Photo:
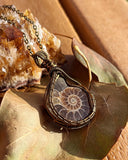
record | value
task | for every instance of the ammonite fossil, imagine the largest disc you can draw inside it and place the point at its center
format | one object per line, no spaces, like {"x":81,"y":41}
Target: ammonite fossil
{"x":68,"y":102}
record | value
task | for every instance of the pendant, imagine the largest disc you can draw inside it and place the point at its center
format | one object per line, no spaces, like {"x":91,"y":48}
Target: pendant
{"x":69,"y":103}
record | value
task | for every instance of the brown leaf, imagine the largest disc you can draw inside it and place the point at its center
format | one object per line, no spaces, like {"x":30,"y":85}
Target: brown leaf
{"x":21,"y":117}
{"x":27,"y":132}
{"x":94,"y":141}
{"x":101,"y":67}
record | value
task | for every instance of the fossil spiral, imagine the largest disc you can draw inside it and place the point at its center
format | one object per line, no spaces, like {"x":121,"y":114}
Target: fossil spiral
{"x":70,"y":105}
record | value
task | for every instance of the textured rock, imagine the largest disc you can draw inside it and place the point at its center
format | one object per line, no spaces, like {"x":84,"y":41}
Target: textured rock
{"x":17,"y":68}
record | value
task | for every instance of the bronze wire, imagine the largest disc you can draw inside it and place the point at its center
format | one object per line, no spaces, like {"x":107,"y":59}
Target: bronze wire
{"x":68,"y":123}
{"x":42,"y":61}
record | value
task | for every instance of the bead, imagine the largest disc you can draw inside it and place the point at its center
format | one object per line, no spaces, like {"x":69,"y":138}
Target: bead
{"x":31,"y":53}
{"x":40,"y":45}
{"x":9,"y":21}
{"x":36,"y":33}
{"x":10,"y":7}
{"x":38,"y":39}
{"x":28,"y":47}
{"x":4,"y":6}
{"x":32,"y":22}
{"x":1,"y":17}
{"x":25,"y":17}
{"x":26,"y":41}
{"x":13,"y":9}
{"x":5,"y":18}
{"x":29,"y":20}
{"x":24,"y":35}
{"x":21,"y":14}
{"x":18,"y":11}
{"x":34,"y":27}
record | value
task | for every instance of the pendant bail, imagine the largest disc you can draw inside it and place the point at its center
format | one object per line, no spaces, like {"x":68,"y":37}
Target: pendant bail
{"x":42,"y":60}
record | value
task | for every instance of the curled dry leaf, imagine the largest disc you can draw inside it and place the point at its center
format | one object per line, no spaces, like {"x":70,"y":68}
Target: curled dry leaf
{"x":101,"y":67}
{"x":27,"y":132}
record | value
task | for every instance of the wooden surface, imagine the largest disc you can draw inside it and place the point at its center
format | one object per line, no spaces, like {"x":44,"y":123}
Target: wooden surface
{"x":101,"y":24}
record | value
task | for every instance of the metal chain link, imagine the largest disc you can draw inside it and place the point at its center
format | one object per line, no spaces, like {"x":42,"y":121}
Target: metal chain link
{"x":13,"y":9}
{"x":38,"y":56}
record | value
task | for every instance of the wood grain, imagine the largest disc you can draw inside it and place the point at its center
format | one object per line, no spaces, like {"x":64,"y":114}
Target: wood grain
{"x":103,"y":26}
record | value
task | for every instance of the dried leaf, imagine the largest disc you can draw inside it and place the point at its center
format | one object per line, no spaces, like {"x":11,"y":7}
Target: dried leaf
{"x":22,"y":118}
{"x":101,"y":67}
{"x":94,"y":141}
{"x":27,"y":132}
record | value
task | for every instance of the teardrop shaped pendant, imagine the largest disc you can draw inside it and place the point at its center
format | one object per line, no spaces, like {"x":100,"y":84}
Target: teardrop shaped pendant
{"x":70,"y":104}
{"x":67,"y":102}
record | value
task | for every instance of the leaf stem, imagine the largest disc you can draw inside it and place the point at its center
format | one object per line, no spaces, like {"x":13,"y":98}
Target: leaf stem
{"x":86,"y":61}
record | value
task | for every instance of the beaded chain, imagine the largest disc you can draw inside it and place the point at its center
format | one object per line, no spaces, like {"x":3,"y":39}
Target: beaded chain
{"x":38,"y":56}
{"x":13,"y":9}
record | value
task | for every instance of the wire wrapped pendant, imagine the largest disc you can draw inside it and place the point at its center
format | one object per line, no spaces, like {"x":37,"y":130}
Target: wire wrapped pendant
{"x":70,"y":104}
{"x":66,"y":100}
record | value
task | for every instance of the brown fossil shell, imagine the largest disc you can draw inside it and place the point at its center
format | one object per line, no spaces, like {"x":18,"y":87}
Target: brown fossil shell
{"x":68,"y":102}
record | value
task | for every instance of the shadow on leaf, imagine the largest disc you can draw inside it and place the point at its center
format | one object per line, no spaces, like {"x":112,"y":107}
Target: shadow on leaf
{"x":26,"y":120}
{"x":95,"y":140}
